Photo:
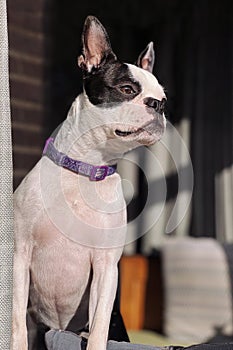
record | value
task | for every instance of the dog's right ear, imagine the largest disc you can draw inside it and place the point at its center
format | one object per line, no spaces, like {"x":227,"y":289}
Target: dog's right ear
{"x":147,"y":58}
{"x":96,"y":45}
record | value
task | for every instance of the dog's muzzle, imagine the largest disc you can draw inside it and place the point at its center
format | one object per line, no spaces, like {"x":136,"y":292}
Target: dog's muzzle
{"x":156,"y":126}
{"x":157,"y":105}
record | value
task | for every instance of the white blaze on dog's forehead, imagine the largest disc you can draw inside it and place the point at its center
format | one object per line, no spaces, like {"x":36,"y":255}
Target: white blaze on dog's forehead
{"x":149,"y":84}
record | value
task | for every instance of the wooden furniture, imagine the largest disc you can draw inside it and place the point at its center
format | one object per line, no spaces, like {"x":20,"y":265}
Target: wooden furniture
{"x":133,"y":278}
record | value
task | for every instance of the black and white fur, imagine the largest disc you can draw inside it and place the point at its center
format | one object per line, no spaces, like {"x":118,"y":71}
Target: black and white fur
{"x":61,"y":260}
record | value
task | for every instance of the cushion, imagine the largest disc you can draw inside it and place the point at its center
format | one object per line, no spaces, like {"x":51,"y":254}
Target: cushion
{"x":197,"y":289}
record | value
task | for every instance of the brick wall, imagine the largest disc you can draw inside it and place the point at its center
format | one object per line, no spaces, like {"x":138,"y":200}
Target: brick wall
{"x":27,"y":44}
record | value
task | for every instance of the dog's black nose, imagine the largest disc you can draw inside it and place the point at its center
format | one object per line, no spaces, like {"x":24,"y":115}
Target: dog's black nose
{"x":157,"y":105}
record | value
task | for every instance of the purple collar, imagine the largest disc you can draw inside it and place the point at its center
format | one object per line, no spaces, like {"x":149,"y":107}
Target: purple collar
{"x":95,"y":173}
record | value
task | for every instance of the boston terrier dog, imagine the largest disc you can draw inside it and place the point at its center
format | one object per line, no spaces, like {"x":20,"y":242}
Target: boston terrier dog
{"x":70,"y":215}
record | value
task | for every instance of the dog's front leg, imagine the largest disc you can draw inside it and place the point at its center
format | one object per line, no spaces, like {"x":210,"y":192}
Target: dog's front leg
{"x":103,"y":291}
{"x":20,"y":300}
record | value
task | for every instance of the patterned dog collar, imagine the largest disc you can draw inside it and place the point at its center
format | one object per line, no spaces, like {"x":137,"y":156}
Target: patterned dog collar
{"x":95,"y":173}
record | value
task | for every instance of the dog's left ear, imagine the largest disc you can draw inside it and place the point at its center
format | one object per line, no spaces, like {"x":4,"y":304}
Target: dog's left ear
{"x":96,"y":45}
{"x":146,"y":58}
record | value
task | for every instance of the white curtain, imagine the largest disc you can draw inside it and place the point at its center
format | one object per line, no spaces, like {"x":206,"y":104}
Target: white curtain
{"x":224,"y":205}
{"x":165,"y":211}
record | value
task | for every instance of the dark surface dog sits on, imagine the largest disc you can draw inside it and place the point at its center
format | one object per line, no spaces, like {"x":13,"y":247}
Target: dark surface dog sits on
{"x":57,"y":340}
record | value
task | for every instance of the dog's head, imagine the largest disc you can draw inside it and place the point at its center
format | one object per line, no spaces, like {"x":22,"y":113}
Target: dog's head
{"x":131,"y":95}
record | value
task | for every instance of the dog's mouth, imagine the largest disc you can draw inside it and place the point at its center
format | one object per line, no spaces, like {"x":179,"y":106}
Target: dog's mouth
{"x":153,"y":128}
{"x":123,"y":133}
{"x":131,"y":132}
{"x":149,"y":132}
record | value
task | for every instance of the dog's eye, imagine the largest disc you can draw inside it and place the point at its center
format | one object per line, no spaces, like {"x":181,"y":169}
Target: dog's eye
{"x":127,"y":90}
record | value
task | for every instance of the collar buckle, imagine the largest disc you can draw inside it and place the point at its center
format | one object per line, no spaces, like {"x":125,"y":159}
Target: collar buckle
{"x":99,"y":173}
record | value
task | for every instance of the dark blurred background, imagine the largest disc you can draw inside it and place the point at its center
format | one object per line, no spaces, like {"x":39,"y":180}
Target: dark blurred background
{"x":194,"y":49}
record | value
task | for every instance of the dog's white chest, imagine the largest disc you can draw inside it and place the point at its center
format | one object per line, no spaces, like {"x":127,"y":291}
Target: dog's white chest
{"x":90,"y":213}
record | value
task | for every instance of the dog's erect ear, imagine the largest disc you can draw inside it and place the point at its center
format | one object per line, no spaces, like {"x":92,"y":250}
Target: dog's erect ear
{"x":147,"y":58}
{"x":96,"y":45}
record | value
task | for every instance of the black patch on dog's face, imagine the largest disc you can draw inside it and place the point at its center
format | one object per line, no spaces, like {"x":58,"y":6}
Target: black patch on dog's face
{"x":110,"y":84}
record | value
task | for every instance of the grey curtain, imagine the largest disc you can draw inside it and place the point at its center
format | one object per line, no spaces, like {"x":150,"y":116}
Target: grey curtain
{"x":6,"y":201}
